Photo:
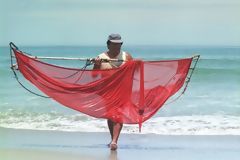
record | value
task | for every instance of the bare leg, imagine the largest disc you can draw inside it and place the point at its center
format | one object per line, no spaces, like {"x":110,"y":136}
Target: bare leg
{"x":110,"y":127}
{"x":115,"y":129}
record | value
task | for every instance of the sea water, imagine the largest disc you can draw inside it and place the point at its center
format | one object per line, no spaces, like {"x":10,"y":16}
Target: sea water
{"x":211,"y":104}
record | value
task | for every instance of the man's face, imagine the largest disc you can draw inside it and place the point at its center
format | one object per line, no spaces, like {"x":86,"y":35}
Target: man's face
{"x":114,"y":47}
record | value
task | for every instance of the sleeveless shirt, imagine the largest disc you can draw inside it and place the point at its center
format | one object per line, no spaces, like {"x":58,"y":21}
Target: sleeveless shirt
{"x":121,"y":56}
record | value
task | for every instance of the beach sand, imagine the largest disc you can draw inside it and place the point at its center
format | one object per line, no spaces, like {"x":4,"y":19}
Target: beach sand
{"x":18,"y":144}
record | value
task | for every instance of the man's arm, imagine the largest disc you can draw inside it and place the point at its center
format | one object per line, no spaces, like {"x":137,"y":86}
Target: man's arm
{"x":128,"y":56}
{"x":96,"y":66}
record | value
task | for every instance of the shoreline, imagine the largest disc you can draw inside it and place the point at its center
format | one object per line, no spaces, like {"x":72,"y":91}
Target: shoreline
{"x":36,"y":144}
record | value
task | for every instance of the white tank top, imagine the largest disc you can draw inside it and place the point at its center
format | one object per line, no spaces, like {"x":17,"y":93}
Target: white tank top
{"x":121,"y":56}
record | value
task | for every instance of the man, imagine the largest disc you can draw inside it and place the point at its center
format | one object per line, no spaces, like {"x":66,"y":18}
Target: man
{"x":114,"y":44}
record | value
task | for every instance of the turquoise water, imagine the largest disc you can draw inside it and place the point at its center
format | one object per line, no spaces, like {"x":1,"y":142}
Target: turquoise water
{"x":210,"y":105}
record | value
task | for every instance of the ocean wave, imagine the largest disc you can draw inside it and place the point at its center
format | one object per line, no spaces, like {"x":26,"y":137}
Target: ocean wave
{"x":176,"y":125}
{"x":217,"y":71}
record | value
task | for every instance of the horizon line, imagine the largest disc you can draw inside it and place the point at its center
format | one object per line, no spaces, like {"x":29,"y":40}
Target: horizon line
{"x":130,"y":45}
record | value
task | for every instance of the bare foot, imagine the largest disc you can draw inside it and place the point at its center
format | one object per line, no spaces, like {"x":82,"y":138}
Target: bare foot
{"x":113,"y":146}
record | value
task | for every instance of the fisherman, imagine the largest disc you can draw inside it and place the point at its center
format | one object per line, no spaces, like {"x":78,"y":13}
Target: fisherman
{"x":114,"y":44}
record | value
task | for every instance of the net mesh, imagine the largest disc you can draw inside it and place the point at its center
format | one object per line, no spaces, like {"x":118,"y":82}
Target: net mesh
{"x":129,"y":94}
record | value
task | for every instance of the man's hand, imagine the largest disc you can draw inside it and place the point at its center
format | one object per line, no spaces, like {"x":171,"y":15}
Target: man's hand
{"x":97,"y":63}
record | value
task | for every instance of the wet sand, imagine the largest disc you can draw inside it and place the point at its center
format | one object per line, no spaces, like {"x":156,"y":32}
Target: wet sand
{"x":36,"y":144}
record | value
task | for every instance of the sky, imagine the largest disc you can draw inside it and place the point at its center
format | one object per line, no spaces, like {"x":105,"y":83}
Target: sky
{"x":140,"y":22}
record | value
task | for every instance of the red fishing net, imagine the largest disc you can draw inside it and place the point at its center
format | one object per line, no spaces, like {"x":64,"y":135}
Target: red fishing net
{"x":129,"y":94}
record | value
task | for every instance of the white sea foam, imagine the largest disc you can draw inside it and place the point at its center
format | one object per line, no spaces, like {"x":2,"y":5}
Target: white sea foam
{"x":177,"y":125}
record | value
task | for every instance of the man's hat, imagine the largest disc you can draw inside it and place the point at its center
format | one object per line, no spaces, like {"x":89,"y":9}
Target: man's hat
{"x":115,"y":38}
